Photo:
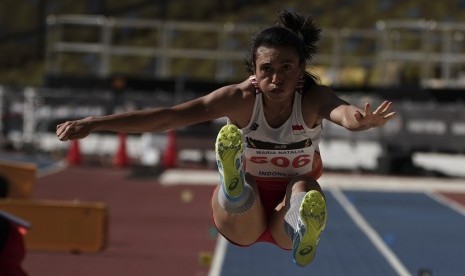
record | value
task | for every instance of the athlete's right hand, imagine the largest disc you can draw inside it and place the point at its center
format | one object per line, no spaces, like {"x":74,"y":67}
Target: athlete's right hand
{"x":72,"y":130}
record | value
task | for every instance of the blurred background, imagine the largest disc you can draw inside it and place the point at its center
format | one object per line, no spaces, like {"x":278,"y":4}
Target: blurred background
{"x":68,"y":59}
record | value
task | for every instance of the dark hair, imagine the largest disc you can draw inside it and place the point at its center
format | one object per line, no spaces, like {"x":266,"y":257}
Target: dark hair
{"x":293,"y":30}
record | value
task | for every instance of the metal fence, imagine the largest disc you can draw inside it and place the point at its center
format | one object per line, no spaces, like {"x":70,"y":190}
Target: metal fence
{"x":391,"y":53}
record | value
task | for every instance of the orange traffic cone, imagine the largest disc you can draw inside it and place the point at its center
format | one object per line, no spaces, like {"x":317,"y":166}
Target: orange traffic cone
{"x":121,"y":158}
{"x":170,"y":155}
{"x":74,"y":155}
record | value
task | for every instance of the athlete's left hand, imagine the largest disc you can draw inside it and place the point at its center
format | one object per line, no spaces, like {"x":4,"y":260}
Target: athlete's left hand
{"x":377,"y":118}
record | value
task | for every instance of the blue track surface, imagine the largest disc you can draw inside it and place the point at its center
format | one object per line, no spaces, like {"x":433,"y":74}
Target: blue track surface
{"x":421,"y":232}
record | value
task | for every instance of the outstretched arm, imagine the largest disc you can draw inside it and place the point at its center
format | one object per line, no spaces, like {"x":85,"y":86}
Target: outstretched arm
{"x":129,"y":122}
{"x":214,"y":105}
{"x":353,"y":118}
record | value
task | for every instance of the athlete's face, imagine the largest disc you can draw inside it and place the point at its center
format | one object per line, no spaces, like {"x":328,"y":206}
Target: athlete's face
{"x":277,"y":70}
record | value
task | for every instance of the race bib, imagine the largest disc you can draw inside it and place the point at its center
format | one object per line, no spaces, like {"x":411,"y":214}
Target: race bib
{"x":289,"y":163}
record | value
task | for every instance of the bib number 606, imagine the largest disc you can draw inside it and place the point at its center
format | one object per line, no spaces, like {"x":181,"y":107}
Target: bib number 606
{"x":283,"y":162}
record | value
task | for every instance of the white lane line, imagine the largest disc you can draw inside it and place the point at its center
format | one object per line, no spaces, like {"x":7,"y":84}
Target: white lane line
{"x":218,"y":257}
{"x":340,"y":181}
{"x":447,"y":202}
{"x":391,"y":183}
{"x":372,"y":235}
{"x":52,"y":169}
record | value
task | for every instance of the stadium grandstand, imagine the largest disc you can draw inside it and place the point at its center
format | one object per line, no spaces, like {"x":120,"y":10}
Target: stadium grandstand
{"x":137,"y":53}
{"x":23,"y":29}
{"x":140,"y":204}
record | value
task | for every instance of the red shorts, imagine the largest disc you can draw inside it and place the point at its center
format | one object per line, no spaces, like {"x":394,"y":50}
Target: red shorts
{"x":272,"y":193}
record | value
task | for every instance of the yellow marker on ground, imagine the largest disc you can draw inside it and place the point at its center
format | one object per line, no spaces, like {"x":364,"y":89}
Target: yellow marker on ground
{"x":205,"y":258}
{"x":187,"y":196}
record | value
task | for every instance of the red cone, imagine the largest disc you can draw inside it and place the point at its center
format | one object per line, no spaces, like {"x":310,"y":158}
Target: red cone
{"x":170,"y":155}
{"x":74,"y":155}
{"x":121,"y":158}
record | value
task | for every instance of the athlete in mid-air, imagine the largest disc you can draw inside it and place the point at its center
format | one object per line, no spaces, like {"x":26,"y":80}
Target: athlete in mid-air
{"x":267,"y":154}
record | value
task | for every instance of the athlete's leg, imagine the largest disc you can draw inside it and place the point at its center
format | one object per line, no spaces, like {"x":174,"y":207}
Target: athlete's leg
{"x":300,"y":219}
{"x":236,"y":205}
{"x":301,"y":184}
{"x":245,"y":228}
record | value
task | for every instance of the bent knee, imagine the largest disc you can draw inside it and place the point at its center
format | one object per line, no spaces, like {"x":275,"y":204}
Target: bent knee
{"x":303,"y":184}
{"x":240,"y":234}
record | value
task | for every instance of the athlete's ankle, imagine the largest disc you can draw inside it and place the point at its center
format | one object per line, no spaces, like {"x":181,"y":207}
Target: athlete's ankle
{"x":240,"y":205}
{"x":291,"y":219}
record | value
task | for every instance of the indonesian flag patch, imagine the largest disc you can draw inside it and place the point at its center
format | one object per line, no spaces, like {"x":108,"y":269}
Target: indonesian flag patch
{"x":297,"y":129}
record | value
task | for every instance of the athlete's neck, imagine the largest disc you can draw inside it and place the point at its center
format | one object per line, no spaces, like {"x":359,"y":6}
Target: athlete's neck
{"x":276,"y":114}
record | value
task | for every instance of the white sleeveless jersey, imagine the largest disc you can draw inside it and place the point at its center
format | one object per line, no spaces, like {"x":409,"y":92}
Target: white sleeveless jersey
{"x":279,"y":153}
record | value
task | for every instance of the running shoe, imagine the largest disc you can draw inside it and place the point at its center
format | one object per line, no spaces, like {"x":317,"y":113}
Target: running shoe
{"x":312,"y":222}
{"x":229,"y":150}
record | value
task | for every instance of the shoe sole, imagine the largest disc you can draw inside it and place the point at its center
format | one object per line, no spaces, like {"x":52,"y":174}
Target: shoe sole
{"x":228,"y":148}
{"x":313,"y":216}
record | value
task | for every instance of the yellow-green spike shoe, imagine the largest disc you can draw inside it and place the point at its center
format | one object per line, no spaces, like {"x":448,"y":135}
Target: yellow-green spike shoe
{"x":312,"y":222}
{"x":229,"y":150}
